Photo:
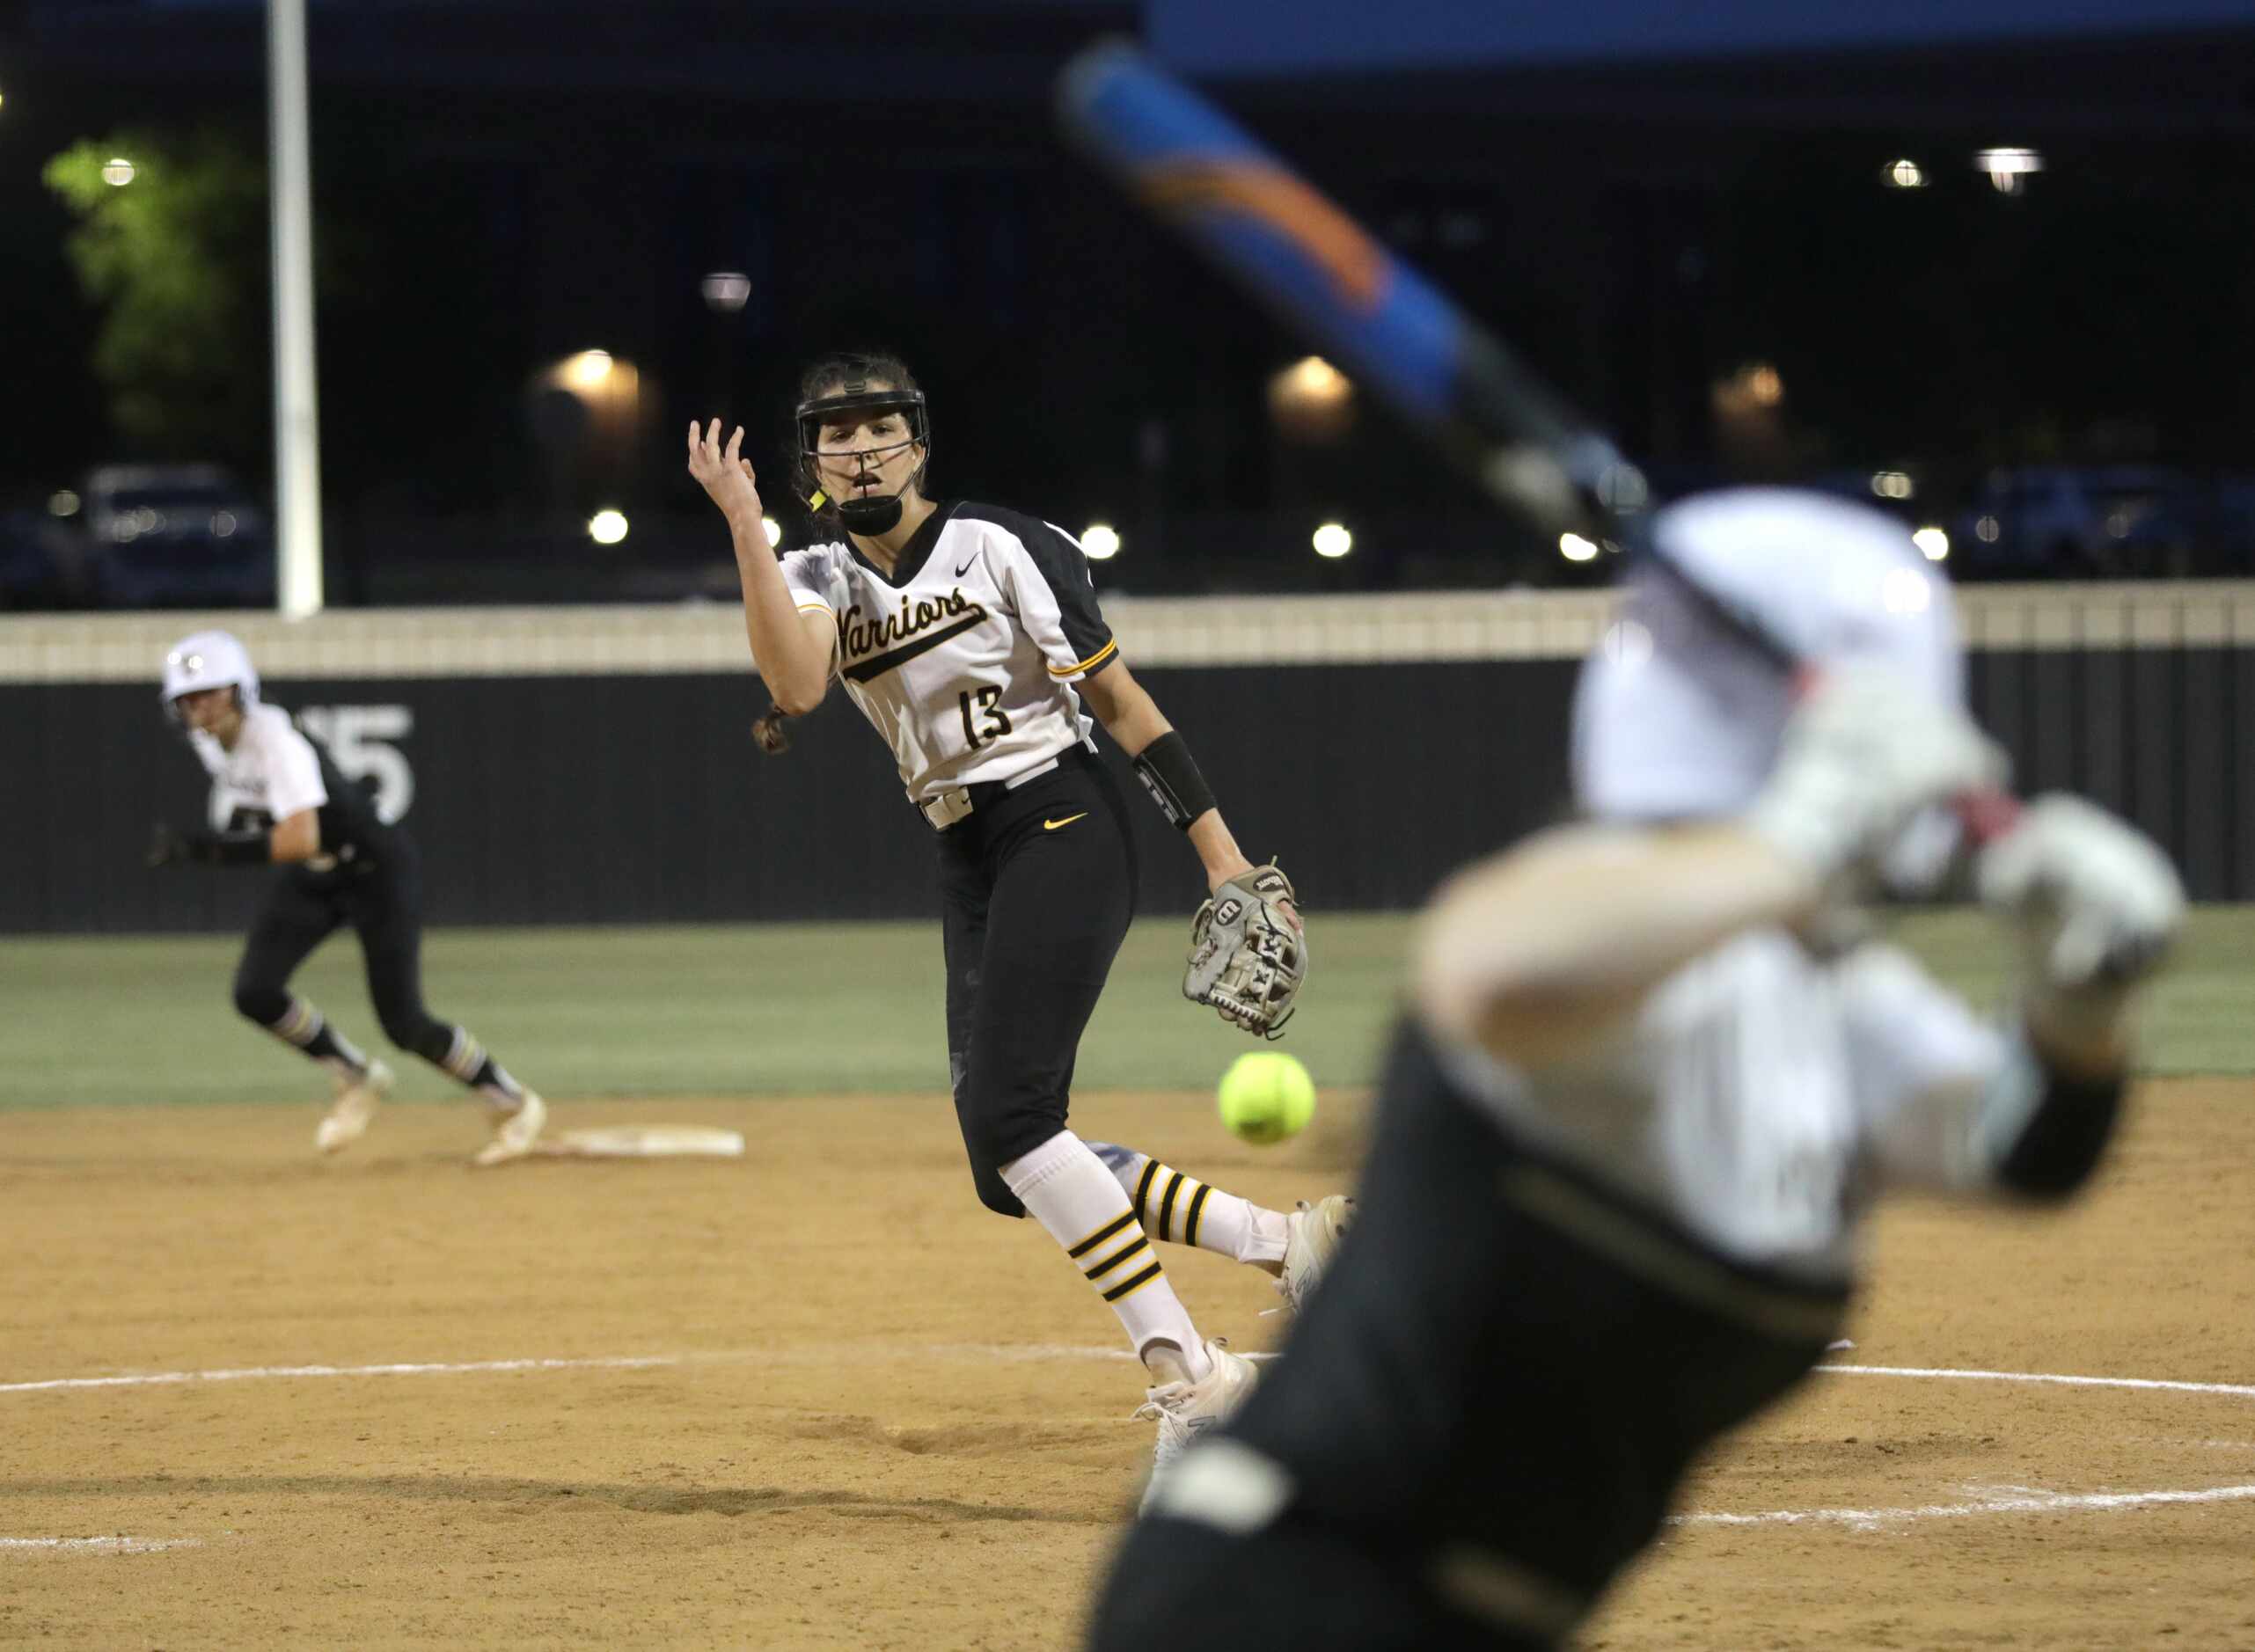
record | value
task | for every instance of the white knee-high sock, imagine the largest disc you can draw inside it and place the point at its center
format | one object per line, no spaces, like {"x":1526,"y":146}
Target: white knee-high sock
{"x":1067,"y":1189}
{"x":1183,"y":1210}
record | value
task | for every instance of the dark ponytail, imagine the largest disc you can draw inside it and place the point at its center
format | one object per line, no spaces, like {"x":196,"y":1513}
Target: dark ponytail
{"x":768,"y":733}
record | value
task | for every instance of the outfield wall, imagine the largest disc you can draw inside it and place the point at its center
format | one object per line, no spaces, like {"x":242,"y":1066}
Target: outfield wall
{"x":592,"y":765}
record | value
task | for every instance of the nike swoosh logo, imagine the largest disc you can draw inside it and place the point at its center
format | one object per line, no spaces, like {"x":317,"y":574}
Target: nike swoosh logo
{"x":1052,"y":825}
{"x":965,"y":568}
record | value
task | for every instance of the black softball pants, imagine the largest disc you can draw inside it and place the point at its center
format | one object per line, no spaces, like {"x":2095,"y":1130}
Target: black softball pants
{"x":1480,"y":1418}
{"x":382,"y":903}
{"x":1036,"y":888}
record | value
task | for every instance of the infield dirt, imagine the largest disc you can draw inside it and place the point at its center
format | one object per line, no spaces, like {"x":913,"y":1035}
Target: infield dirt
{"x":878,"y":1416}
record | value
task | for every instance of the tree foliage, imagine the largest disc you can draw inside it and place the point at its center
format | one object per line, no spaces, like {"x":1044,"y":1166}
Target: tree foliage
{"x":176,"y":262}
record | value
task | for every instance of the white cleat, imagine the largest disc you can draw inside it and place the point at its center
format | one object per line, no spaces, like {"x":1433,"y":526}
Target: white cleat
{"x":514,"y":1133}
{"x":1185,"y":1411}
{"x":1312,"y":1236}
{"x":358,"y":1099}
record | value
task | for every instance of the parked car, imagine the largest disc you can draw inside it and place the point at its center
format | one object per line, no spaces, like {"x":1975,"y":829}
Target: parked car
{"x":2060,"y":522}
{"x":165,"y":535}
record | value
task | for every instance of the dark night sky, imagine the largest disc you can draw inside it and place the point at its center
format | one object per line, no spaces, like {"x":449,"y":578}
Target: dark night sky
{"x":502,"y":185}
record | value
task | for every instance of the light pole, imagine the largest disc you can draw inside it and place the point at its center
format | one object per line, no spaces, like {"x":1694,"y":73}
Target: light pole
{"x":297,"y":406}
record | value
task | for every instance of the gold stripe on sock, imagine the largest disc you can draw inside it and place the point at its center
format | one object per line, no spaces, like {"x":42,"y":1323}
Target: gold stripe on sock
{"x":1151,"y":1168}
{"x":1190,"y":1219}
{"x":1130,"y":1287}
{"x":464,"y":1060}
{"x":1123,"y":1219}
{"x":1142,"y":1243}
{"x":1166,"y":1205}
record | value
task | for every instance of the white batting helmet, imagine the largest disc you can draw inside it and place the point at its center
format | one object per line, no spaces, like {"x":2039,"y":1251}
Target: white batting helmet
{"x":205,"y":660}
{"x":1680,"y":707}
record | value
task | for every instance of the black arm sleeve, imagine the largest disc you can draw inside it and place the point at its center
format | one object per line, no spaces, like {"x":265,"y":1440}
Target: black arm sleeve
{"x":254,"y":848}
{"x":2065,"y":1136}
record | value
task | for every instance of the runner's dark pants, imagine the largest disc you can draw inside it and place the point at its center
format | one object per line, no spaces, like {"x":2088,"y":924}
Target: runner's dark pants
{"x":383,"y":903}
{"x":1480,"y":1417}
{"x":1036,"y":887}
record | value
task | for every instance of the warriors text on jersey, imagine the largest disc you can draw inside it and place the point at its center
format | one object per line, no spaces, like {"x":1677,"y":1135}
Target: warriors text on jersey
{"x":275,"y":770}
{"x":965,"y":658}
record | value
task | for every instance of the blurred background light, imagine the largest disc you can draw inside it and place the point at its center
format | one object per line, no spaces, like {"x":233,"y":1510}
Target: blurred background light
{"x":588,"y":368}
{"x":1987,"y":529}
{"x":1753,"y":388}
{"x":773,"y":529}
{"x":1332,"y":540}
{"x":1892,"y":484}
{"x":607,"y":527}
{"x":726,"y":290}
{"x":62,"y":502}
{"x":1903,"y":175}
{"x":117,"y":171}
{"x":1100,"y":541}
{"x":2008,"y":169}
{"x":1574,"y":548}
{"x":1932,"y":542}
{"x":1311,"y":400}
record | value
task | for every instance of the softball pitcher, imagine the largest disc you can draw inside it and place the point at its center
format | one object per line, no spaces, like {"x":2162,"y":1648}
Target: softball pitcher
{"x":970,"y":636}
{"x":278,"y":799}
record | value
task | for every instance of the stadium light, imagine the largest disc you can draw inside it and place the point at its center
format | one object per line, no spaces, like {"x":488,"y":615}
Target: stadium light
{"x":1311,"y":400}
{"x":2008,"y":168}
{"x":1574,"y":548}
{"x":117,"y":171}
{"x":1932,"y":542}
{"x":1903,"y":175}
{"x":1332,"y":540}
{"x":726,"y":290}
{"x":1100,"y":542}
{"x":589,"y":369}
{"x":607,"y":527}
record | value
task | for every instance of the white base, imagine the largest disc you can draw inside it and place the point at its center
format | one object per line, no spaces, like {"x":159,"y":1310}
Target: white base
{"x":643,"y":1141}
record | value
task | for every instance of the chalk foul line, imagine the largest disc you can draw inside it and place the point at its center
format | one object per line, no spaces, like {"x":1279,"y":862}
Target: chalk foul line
{"x":2015,"y":1500}
{"x":95,"y":1546}
{"x":998,"y":1351}
{"x":2244,"y":1389}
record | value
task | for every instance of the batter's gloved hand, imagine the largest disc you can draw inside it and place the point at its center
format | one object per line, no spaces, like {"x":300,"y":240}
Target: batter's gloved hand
{"x":1863,"y":752}
{"x":1249,"y":952}
{"x":2096,"y":901}
{"x":166,"y":847}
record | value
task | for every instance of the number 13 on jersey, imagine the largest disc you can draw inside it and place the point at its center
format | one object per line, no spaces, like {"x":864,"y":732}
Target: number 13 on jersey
{"x":984,"y":721}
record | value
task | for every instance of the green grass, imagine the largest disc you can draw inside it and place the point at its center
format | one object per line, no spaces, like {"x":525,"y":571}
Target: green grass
{"x":790,"y":1009}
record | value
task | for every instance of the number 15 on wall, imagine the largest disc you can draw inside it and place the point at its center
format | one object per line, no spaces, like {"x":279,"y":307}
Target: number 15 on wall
{"x":359,"y":738}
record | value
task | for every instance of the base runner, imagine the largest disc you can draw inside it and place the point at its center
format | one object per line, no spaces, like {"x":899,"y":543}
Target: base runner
{"x":278,"y":800}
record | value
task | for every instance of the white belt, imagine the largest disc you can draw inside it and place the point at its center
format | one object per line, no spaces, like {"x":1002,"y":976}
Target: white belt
{"x":953,"y":804}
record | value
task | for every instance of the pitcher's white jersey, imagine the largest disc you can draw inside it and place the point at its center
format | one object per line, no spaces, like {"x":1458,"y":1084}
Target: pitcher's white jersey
{"x":1760,"y":1097}
{"x":965,"y":660}
{"x":272,"y":774}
